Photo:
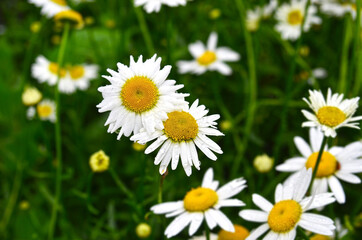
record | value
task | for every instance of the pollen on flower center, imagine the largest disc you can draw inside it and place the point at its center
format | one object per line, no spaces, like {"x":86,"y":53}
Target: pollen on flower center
{"x":284,"y":216}
{"x":331,"y":116}
{"x":53,"y":68}
{"x":327,"y":166}
{"x":139,"y":94}
{"x":60,"y":2}
{"x":76,"y":72}
{"x":200,"y":199}
{"x":207,"y":58}
{"x":44,"y":110}
{"x":180,"y":126}
{"x":295,"y":17}
{"x":239,"y":234}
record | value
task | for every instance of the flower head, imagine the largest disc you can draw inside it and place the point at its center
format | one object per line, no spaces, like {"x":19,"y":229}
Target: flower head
{"x":339,"y":8}
{"x":289,"y":211}
{"x":74,"y":17}
{"x":155,"y":5}
{"x":143,"y":230}
{"x":332,"y":113}
{"x":179,"y":135}
{"x":263,"y":163}
{"x":240,"y":233}
{"x":336,"y":163}
{"x":31,"y":96}
{"x":99,"y":161}
{"x":46,"y":71}
{"x":139,"y":97}
{"x":46,"y":110}
{"x":50,"y":8}
{"x":208,"y":57}
{"x":202,"y":203}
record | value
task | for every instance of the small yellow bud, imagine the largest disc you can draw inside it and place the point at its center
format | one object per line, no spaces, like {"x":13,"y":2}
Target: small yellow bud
{"x":215,"y":13}
{"x":320,"y":237}
{"x":304,"y":51}
{"x":225,"y":125}
{"x":24,"y":205}
{"x":110,"y":23}
{"x":35,"y":27}
{"x":31,"y":96}
{"x":99,"y":161}
{"x":263,"y":163}
{"x":89,"y":20}
{"x":138,"y":147}
{"x":143,"y":230}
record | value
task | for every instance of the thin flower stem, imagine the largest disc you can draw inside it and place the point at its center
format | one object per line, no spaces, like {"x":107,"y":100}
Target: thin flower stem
{"x":252,"y":86}
{"x":207,"y":231}
{"x":120,"y":184}
{"x":343,"y":74}
{"x":288,"y":88}
{"x":145,"y":32}
{"x":160,"y":188}
{"x":357,"y":53}
{"x":320,"y":153}
{"x":58,"y":136}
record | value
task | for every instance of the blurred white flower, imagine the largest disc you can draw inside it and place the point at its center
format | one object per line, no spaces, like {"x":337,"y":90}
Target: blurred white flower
{"x":155,"y":5}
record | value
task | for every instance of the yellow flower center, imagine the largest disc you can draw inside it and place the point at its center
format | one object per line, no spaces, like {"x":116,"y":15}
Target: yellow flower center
{"x":139,"y":94}
{"x":99,"y":161}
{"x":207,"y":58}
{"x":284,"y":216}
{"x":331,"y":116}
{"x":320,"y":237}
{"x":180,"y":126}
{"x":76,"y":72}
{"x":240,"y":234}
{"x":70,"y":15}
{"x":44,"y":110}
{"x":295,"y":17}
{"x":200,"y":199}
{"x":53,"y":68}
{"x":60,"y":2}
{"x":327,"y":166}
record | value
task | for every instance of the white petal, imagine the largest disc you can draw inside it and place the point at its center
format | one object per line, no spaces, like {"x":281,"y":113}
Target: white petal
{"x":254,"y":215}
{"x":337,"y":189}
{"x":231,"y":188}
{"x":262,"y":203}
{"x":222,"y":220}
{"x":167,"y":207}
{"x":302,"y":146}
{"x":255,"y":234}
{"x":197,"y":219}
{"x":178,"y":224}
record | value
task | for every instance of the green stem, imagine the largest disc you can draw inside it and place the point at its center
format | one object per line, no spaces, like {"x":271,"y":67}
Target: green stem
{"x":145,"y":32}
{"x":357,"y":53}
{"x":301,"y":231}
{"x":288,"y":88}
{"x":343,"y":75}
{"x":252,"y":86}
{"x":120,"y":184}
{"x":207,"y":231}
{"x":320,"y":153}
{"x":58,"y":136}
{"x":160,"y":188}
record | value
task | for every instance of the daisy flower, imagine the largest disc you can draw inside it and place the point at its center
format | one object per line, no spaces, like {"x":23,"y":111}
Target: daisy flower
{"x":180,"y":134}
{"x":338,"y":9}
{"x":240,"y":234}
{"x":78,"y":77}
{"x":336,"y":163}
{"x":253,"y":17}
{"x":208,"y":58}
{"x":155,"y":5}
{"x":331,"y":114}
{"x":46,"y":71}
{"x":50,"y":8}
{"x":139,"y":96}
{"x":202,"y":203}
{"x":46,"y":110}
{"x":289,"y":211}
{"x":290,"y":18}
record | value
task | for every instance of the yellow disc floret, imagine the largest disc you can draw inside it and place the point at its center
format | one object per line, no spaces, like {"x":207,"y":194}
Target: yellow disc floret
{"x":330,"y":116}
{"x":200,"y":199}
{"x":284,"y":216}
{"x":60,"y":2}
{"x":44,"y":110}
{"x":53,"y":68}
{"x":76,"y":72}
{"x":180,"y":126}
{"x":240,"y":233}
{"x":327,"y":165}
{"x":295,"y":17}
{"x":207,"y":58}
{"x":139,"y":94}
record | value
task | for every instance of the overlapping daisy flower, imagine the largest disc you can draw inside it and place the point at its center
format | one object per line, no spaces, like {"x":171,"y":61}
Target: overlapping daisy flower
{"x":202,"y":203}
{"x":240,"y":233}
{"x":180,"y":134}
{"x":290,"y":211}
{"x":339,"y":233}
{"x":71,"y":77}
{"x":208,"y":58}
{"x":50,"y":8}
{"x":45,"y":110}
{"x":290,"y":18}
{"x":155,"y":5}
{"x":338,"y":8}
{"x":331,"y":114}
{"x":336,"y":163}
{"x":253,"y":17}
{"x":139,"y":96}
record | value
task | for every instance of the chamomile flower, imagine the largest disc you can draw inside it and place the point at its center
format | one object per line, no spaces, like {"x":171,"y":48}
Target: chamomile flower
{"x":139,"y":96}
{"x":339,"y":9}
{"x":46,"y":71}
{"x":78,"y":77}
{"x":181,"y":133}
{"x":50,"y":8}
{"x":240,"y":233}
{"x":332,"y":113}
{"x":202,"y":203}
{"x":289,"y":211}
{"x":155,"y":5}
{"x":336,"y":163}
{"x":253,"y":17}
{"x":208,"y":57}
{"x":290,"y":18}
{"x":31,"y":96}
{"x":46,"y":110}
